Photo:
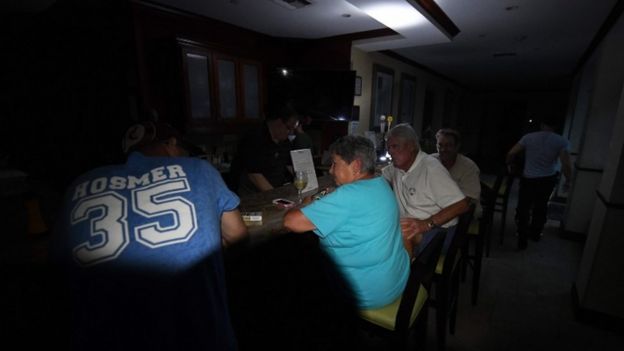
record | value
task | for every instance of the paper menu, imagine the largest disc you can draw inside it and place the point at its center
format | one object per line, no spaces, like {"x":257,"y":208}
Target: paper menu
{"x":302,"y":161}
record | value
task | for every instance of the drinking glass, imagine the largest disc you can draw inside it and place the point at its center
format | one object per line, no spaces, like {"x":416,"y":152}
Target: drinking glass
{"x":301,"y":180}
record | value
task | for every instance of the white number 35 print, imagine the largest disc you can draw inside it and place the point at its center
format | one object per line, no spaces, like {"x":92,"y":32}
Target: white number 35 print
{"x":109,"y":229}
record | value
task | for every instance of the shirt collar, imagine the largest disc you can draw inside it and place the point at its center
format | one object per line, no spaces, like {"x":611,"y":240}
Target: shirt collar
{"x":421,"y":154}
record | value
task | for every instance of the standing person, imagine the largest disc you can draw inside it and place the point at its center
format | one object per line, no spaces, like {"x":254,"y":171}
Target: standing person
{"x":300,"y":139}
{"x":462,"y":169}
{"x":263,"y":155}
{"x":358,"y":225}
{"x":142,"y":244}
{"x":542,"y":151}
{"x":427,"y":195}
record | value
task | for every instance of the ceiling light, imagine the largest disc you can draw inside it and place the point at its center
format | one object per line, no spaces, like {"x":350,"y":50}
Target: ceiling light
{"x":394,"y":14}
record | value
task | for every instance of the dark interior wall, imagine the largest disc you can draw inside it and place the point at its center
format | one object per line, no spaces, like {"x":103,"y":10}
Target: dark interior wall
{"x":80,"y":72}
{"x":68,"y":76}
{"x":494,"y":122}
{"x":159,"y":59}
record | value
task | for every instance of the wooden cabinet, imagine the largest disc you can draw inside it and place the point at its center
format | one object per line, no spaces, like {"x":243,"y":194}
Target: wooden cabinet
{"x":221,"y":90}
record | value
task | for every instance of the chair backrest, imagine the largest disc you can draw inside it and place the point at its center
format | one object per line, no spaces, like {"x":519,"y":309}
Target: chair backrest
{"x":458,"y":241}
{"x":503,"y":183}
{"x":421,"y":273}
{"x":487,"y":201}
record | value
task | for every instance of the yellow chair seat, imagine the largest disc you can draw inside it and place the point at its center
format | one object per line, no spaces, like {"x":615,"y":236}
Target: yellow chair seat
{"x":474,"y":227}
{"x":440,"y":266}
{"x":385,"y":316}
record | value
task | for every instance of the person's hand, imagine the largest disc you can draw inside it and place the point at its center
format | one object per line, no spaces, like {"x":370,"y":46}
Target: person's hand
{"x":306,"y":200}
{"x":566,"y":186}
{"x":412,"y":227}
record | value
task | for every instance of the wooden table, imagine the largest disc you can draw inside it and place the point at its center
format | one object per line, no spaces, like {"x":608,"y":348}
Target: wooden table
{"x":272,"y":216}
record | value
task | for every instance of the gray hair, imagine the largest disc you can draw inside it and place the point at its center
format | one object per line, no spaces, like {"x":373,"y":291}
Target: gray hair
{"x":405,"y":132}
{"x":351,"y":148}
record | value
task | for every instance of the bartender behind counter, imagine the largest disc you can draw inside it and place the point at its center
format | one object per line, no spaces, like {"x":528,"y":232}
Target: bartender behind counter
{"x":263,"y":155}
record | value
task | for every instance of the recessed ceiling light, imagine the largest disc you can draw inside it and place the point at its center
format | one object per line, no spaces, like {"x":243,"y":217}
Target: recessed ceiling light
{"x":394,"y":14}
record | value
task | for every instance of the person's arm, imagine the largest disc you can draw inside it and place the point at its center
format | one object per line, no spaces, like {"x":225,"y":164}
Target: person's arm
{"x":516,"y":149}
{"x":259,"y":181}
{"x":566,"y":169}
{"x":470,"y":184}
{"x":410,"y":227}
{"x":233,"y":228}
{"x":296,"y":221}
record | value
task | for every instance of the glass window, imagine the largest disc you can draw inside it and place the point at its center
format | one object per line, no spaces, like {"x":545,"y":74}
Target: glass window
{"x":383,"y":81}
{"x":227,"y":88}
{"x":199,"y":85}
{"x":408,"y":99}
{"x":251,"y":97}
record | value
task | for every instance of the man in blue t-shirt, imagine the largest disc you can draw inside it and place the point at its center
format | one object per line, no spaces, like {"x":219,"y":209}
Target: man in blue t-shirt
{"x":543,"y":149}
{"x":142,"y":242}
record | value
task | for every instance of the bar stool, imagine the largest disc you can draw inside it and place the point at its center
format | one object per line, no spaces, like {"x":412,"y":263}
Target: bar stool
{"x":478,"y":233}
{"x":446,"y":280}
{"x":395,"y":321}
{"x":502,"y":188}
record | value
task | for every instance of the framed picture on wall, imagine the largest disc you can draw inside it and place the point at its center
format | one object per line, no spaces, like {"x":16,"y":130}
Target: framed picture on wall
{"x":358,"y":86}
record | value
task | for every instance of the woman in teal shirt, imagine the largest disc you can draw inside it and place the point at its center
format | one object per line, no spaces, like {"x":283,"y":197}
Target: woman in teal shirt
{"x":358,"y":225}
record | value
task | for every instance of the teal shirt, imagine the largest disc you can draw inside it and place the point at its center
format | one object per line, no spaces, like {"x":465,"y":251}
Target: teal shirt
{"x":358,"y":226}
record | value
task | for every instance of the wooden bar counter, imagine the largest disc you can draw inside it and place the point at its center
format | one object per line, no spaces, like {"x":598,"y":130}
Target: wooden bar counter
{"x":272,"y":216}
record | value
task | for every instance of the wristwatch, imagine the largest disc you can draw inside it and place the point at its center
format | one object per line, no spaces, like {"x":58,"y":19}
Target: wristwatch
{"x":431,"y":224}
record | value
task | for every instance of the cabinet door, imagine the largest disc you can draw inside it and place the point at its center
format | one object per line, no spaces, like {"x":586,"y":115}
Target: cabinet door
{"x":251,"y":90}
{"x":226,"y":83}
{"x":198,"y":76}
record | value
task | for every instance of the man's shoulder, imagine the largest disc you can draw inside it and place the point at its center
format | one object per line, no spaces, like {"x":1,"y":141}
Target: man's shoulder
{"x":388,"y":170}
{"x":430,"y":161}
{"x":467,"y":161}
{"x":101,"y":171}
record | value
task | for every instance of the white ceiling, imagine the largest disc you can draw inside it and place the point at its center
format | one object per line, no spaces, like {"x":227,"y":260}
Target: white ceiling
{"x":548,"y":37}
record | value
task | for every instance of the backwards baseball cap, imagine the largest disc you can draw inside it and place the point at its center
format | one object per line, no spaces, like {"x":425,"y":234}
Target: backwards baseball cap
{"x":149,"y":132}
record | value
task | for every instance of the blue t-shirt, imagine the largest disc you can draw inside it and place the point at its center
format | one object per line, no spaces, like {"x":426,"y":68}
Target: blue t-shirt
{"x":143,"y":245}
{"x":358,"y":226}
{"x":542,"y":151}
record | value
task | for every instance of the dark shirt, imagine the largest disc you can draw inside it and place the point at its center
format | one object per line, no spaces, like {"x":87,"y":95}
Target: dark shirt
{"x":257,"y":153}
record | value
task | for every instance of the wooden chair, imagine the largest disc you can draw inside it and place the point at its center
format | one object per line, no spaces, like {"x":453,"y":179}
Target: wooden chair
{"x":502,"y":189}
{"x":409,"y":312}
{"x":478,"y":231}
{"x":446,"y":280}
